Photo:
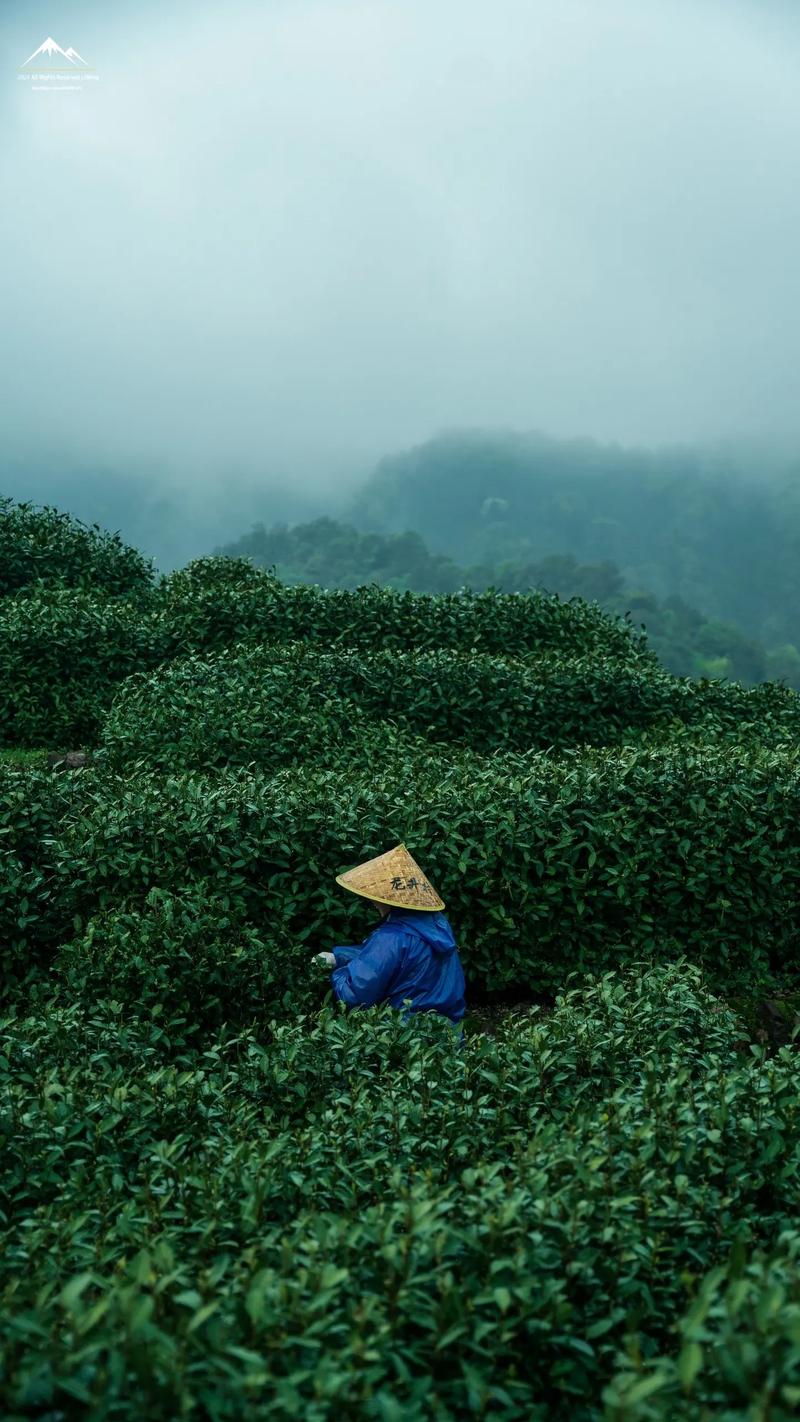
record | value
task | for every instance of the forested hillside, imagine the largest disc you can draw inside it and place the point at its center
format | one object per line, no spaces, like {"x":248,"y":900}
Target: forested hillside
{"x":719,"y":530}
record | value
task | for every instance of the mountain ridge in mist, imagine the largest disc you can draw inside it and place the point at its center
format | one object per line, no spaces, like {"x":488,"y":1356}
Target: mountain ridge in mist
{"x":678,"y":520}
{"x":681,"y":520}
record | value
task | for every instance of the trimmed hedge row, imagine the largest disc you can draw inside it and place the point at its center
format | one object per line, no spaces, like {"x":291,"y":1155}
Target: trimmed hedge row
{"x":738,"y":1348}
{"x":191,"y":961}
{"x":211,"y":1207}
{"x":545,"y":865}
{"x":35,"y":808}
{"x":42,"y":546}
{"x":489,"y":671}
{"x":216,"y":601}
{"x":276,"y":705}
{"x":257,"y":1231}
{"x":273,"y":707}
{"x":63,"y":654}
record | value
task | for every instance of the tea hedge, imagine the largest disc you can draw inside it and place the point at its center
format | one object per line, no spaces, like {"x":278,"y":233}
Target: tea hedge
{"x":258,"y":1231}
{"x":63,"y":654}
{"x":64,"y":651}
{"x":546,"y":864}
{"x":44,"y":546}
{"x":739,"y":1347}
{"x":191,"y":961}
{"x":35,"y":808}
{"x":272,"y":705}
{"x":216,"y":601}
{"x":489,"y":670}
{"x":269,"y":707}
{"x":275,"y":705}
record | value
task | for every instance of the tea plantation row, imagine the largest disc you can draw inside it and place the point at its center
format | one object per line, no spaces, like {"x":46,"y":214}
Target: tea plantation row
{"x":523,"y":1229}
{"x":546,"y":863}
{"x":63,"y":653}
{"x":80,"y":612}
{"x":222,"y":1197}
{"x":273,"y":706}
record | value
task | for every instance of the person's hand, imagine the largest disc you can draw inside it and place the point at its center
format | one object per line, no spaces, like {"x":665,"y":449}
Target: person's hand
{"x":324,"y":960}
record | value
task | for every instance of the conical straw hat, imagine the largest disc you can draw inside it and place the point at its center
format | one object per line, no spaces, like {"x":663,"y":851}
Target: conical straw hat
{"x":393,"y":878}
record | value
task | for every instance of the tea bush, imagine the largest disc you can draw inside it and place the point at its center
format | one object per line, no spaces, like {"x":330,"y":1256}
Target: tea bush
{"x":719,"y":713}
{"x":277,"y":705}
{"x":353,"y":1216}
{"x":545,"y":864}
{"x":34,"y":807}
{"x":64,"y":658}
{"x":739,"y":1343}
{"x":63,"y":654}
{"x":192,"y":962}
{"x":272,"y":705}
{"x":64,"y":651}
{"x":216,"y":601}
{"x":488,"y":670}
{"x":43,"y":546}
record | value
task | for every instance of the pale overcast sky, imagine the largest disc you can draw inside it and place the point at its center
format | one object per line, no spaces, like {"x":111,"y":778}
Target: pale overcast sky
{"x":297,"y":234}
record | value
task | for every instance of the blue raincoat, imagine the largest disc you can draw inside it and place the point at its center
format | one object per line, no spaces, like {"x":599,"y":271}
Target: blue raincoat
{"x":410,"y":960}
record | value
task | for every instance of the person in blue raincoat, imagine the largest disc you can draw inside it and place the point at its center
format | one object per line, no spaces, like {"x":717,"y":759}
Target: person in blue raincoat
{"x":411,"y":959}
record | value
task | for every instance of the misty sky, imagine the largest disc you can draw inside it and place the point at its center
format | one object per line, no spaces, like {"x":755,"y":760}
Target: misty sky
{"x":288,"y":237}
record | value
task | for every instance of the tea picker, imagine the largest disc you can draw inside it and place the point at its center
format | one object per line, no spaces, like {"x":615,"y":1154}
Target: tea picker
{"x":410,"y":960}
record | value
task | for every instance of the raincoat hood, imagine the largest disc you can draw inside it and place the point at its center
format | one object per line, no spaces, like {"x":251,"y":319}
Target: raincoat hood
{"x":433,"y":928}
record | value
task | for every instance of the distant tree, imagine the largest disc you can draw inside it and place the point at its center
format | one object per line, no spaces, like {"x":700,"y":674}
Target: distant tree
{"x":562,"y":574}
{"x":337,"y":555}
{"x":783,"y":664}
{"x":712,"y":667}
{"x":746,"y":659}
